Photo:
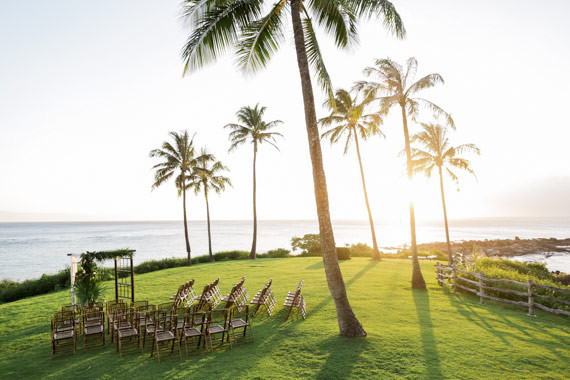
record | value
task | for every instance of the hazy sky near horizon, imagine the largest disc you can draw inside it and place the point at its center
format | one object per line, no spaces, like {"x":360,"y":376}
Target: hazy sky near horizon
{"x":87,"y":89}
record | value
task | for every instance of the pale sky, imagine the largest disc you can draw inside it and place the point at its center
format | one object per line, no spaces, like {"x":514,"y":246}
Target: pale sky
{"x":87,"y":89}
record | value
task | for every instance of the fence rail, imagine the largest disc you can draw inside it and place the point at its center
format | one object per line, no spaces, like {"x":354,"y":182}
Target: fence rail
{"x":453,"y":277}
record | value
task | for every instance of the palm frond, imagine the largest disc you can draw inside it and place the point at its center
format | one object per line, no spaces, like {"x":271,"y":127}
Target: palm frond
{"x":216,"y":30}
{"x":315,"y":58}
{"x":261,"y":39}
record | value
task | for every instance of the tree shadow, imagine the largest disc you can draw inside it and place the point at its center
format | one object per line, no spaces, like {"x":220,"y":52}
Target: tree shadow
{"x":429,"y":344}
{"x":318,"y":265}
{"x":344,"y":355}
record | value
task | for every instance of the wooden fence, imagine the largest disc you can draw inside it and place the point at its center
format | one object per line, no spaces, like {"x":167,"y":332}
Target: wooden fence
{"x":455,"y":278}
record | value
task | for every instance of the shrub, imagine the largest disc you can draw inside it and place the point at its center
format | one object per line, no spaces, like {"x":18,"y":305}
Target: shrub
{"x":154,"y":265}
{"x":274,"y":253}
{"x":230,"y":255}
{"x":403,"y":254}
{"x":343,"y":253}
{"x":309,"y":245}
{"x":360,"y":250}
{"x":45,"y":284}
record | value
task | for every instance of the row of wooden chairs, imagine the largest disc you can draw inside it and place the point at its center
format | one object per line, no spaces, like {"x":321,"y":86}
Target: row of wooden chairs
{"x":186,"y":295}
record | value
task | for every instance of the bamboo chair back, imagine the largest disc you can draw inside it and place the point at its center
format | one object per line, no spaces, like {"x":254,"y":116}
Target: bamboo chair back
{"x":264,"y":297}
{"x":296,"y":300}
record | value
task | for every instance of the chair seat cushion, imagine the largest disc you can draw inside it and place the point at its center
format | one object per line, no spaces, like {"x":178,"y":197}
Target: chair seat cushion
{"x":90,"y":330}
{"x":238,"y":323}
{"x":216,"y":329}
{"x":191,"y":331}
{"x":164,"y":335}
{"x":125,"y":333}
{"x":63,"y":335}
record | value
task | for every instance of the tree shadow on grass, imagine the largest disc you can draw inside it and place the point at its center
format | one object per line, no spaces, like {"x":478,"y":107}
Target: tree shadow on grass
{"x":344,"y":355}
{"x":429,"y":344}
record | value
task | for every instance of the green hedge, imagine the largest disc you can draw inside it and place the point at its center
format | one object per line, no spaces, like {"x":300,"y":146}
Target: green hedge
{"x":14,"y":291}
{"x":274,"y":253}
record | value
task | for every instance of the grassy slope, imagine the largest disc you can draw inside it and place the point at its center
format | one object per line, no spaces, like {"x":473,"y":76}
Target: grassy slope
{"x":410,"y":334}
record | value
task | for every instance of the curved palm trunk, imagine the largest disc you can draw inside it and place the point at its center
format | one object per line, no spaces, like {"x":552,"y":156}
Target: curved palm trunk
{"x":418,"y":281}
{"x":347,"y":321}
{"x":375,"y":252}
{"x":189,"y":262}
{"x":208,"y":217}
{"x":253,"y":244}
{"x":449,"y":254}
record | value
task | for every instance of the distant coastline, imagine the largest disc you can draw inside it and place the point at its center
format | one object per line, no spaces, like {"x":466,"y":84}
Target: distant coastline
{"x":30,"y":249}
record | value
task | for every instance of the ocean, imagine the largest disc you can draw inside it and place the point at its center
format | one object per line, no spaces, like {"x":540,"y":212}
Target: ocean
{"x":28,"y":250}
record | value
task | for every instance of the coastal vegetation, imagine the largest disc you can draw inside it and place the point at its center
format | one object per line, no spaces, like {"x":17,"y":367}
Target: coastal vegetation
{"x":438,"y":153}
{"x":394,"y":87}
{"x":218,"y":26}
{"x":411,"y":334}
{"x":348,"y":117}
{"x":257,"y":131}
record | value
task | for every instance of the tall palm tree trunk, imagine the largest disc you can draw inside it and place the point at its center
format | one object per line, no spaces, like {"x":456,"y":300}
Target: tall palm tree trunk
{"x":449,"y":254}
{"x":418,"y":281}
{"x":254,"y":243}
{"x":208,"y":217}
{"x":347,"y":321}
{"x":185,"y":221}
{"x":375,"y":252}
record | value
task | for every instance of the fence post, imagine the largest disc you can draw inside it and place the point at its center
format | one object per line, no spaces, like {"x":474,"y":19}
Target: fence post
{"x":454,"y":278}
{"x":481,"y":290}
{"x":438,"y":276}
{"x":531,"y":298}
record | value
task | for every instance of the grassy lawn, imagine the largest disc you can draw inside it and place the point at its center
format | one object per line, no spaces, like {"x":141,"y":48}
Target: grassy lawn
{"x":411,"y":335}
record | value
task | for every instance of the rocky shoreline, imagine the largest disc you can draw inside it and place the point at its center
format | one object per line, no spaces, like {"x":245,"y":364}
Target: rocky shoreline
{"x":504,"y":247}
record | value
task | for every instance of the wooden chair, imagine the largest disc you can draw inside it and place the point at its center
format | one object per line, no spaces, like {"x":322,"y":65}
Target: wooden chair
{"x":111,"y":307}
{"x":150,"y":319}
{"x":203,"y":301}
{"x":217,"y":323}
{"x":215,"y":296}
{"x":143,"y":316}
{"x":167,"y":307}
{"x":193,"y":327}
{"x":238,"y":296}
{"x":93,"y":324}
{"x":164,"y":331}
{"x":264,"y":297}
{"x":63,"y":328}
{"x":236,"y":321}
{"x":113,"y":314}
{"x":295,"y":299}
{"x":76,"y":310}
{"x":127,"y":327}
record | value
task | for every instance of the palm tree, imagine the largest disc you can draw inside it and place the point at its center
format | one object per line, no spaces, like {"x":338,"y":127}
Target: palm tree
{"x":438,"y":153}
{"x":348,"y":118}
{"x":218,"y":25}
{"x":177,"y":159}
{"x":256,"y":131}
{"x":206,"y":177}
{"x":395,"y":87}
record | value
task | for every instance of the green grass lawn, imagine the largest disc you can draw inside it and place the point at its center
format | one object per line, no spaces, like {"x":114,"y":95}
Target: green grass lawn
{"x":411,"y":334}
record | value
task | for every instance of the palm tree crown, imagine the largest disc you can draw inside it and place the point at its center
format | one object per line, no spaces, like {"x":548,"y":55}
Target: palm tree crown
{"x":439,"y":153}
{"x":253,"y":128}
{"x":396,"y":87}
{"x":348,"y":118}
{"x":178,"y":158}
{"x":207,"y":174}
{"x":256,"y":35}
